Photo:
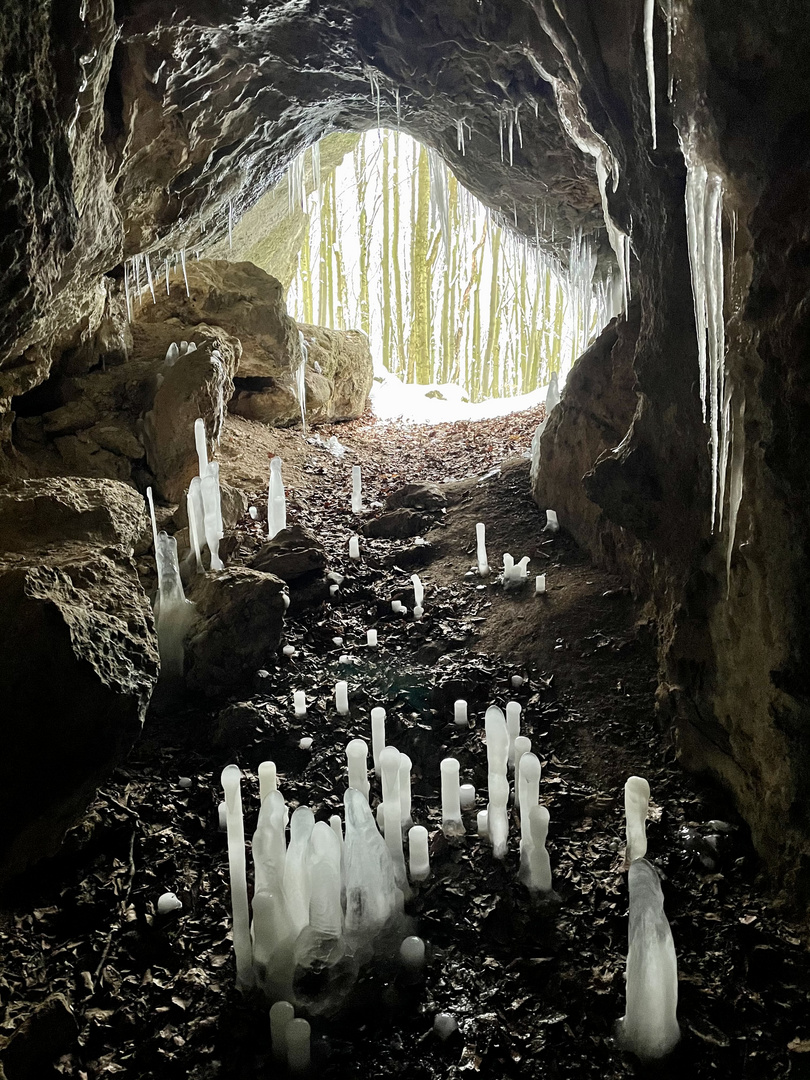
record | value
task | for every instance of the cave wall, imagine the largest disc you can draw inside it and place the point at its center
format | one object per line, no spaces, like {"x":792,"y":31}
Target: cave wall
{"x":129,"y":128}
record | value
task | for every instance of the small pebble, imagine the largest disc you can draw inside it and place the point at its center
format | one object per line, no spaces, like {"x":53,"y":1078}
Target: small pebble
{"x":184,"y":781}
{"x":517,"y":680}
{"x":445,"y":1025}
{"x":167,"y":903}
{"x":305,"y":744}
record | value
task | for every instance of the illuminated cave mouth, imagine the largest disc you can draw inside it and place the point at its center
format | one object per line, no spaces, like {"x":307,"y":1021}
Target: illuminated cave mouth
{"x":393,"y":245}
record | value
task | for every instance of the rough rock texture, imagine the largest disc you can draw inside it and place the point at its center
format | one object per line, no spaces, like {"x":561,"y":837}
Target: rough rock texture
{"x":240,"y":620}
{"x":127,"y":128}
{"x":344,"y":357}
{"x":291,"y":554}
{"x":417,"y":497}
{"x":197,"y":385}
{"x":49,"y":1032}
{"x":397,"y":524}
{"x":79,"y":656}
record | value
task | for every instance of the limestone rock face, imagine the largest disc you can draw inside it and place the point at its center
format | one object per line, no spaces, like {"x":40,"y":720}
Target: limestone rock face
{"x":197,"y":385}
{"x":79,"y":657}
{"x":425,"y":496}
{"x":240,"y":298}
{"x":240,"y":621}
{"x":344,"y":357}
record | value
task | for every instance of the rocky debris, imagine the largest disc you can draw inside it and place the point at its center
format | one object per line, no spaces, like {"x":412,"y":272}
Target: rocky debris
{"x":79,"y":657}
{"x":240,"y":618}
{"x":425,"y":496}
{"x":239,"y":724}
{"x":197,"y":385}
{"x":398,"y":524}
{"x":291,"y":554}
{"x":45,"y":1035}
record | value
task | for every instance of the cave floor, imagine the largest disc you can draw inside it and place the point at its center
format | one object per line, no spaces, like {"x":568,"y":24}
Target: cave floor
{"x":536,"y":992}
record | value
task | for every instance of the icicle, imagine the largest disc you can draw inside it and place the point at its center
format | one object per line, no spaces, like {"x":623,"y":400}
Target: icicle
{"x":185,"y":275}
{"x":439,"y":197}
{"x":315,"y":160}
{"x":149,"y":278}
{"x":510,"y":135}
{"x":736,"y":478}
{"x":500,"y":133}
{"x":126,"y":291}
{"x":230,"y":224}
{"x":137,"y":261}
{"x":397,"y":105}
{"x":374,"y":83}
{"x":295,"y":185}
{"x":649,"y":55}
{"x":460,"y":137}
{"x":301,"y":381}
{"x":167,"y":277}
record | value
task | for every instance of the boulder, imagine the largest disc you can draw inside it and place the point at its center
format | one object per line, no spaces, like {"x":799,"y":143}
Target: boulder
{"x":344,"y":359}
{"x":425,"y":496}
{"x":240,"y":618}
{"x":79,"y":658}
{"x":397,"y":524}
{"x":240,"y":298}
{"x":45,"y":1035}
{"x":291,"y":554}
{"x":197,"y":385}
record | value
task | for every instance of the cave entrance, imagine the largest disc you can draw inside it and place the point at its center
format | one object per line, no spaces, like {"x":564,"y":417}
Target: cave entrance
{"x":464,"y":316}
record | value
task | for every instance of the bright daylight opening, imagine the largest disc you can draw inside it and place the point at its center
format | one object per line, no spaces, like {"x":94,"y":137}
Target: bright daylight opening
{"x":466,"y":319}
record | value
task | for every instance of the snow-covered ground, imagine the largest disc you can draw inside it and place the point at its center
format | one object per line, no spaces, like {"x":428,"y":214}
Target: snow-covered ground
{"x":392,"y":399}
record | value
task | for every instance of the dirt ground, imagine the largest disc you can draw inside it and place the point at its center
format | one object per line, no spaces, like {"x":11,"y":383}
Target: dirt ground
{"x":535,"y":990}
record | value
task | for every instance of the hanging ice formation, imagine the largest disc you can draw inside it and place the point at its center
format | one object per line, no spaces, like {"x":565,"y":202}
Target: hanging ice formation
{"x":301,"y":380}
{"x":573,"y":118}
{"x":649,"y":56}
{"x":460,"y":137}
{"x":649,"y":1028}
{"x":295,"y":185}
{"x":374,"y":83}
{"x":315,"y":159}
{"x":173,"y":613}
{"x":439,"y":198}
{"x":704,"y":214}
{"x":185,"y":275}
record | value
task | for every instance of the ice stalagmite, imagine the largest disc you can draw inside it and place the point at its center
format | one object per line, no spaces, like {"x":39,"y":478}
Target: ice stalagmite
{"x":373,"y":901}
{"x":649,"y":1028}
{"x":301,"y":380}
{"x":636,"y":804}
{"x":497,"y":737}
{"x":173,"y":613}
{"x":297,"y":882}
{"x":276,"y":501}
{"x":231,"y":784}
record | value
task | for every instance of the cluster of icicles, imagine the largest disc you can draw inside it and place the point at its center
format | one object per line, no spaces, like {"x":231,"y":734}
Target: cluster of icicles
{"x":328,"y":902}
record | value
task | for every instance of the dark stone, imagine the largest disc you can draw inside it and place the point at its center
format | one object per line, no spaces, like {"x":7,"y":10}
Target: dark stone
{"x":417,"y":497}
{"x":291,"y":554}
{"x":240,"y":618}
{"x":397,"y":524}
{"x":47,"y":1033}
